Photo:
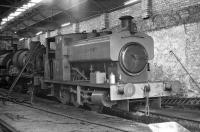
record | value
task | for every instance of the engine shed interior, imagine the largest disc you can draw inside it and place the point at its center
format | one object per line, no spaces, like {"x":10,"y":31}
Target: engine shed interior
{"x":131,"y":58}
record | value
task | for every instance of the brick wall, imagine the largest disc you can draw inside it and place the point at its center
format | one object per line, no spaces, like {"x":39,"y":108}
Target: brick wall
{"x":159,"y":6}
{"x":164,"y":66}
{"x":134,"y":10}
{"x":68,"y":29}
{"x":192,"y":37}
{"x":96,"y":23}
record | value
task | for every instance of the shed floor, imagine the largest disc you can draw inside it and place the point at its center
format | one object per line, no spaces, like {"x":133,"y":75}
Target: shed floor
{"x":26,"y":119}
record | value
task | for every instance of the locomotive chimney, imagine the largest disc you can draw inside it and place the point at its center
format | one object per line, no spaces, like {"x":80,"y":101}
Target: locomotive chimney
{"x":127,"y":24}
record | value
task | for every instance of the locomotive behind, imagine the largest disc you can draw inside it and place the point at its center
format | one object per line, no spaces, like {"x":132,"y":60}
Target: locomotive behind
{"x":12,"y":62}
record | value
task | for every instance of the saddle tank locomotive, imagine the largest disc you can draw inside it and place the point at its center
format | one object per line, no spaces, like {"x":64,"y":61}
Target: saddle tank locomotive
{"x":102,"y":68}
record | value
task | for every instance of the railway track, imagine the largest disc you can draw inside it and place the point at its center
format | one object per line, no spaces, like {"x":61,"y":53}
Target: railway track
{"x":139,"y":116}
{"x":5,"y":127}
{"x":44,"y":107}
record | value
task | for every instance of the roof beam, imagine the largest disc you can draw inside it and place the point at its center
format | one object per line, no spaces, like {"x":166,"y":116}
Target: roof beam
{"x":13,"y":6}
{"x":98,"y":5}
{"x":9,"y":6}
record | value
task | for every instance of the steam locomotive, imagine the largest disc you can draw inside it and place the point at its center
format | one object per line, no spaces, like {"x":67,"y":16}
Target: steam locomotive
{"x":99,"y":68}
{"x":11,"y":63}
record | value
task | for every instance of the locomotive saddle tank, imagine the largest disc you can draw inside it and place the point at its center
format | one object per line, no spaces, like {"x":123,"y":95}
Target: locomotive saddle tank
{"x":124,"y":54}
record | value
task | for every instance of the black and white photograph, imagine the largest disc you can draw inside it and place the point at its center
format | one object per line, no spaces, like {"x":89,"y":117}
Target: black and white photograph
{"x":99,"y":65}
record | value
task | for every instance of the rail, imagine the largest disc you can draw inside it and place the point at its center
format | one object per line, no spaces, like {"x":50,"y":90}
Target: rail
{"x":4,"y":127}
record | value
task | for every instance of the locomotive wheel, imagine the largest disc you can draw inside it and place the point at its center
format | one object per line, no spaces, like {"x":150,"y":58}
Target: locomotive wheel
{"x":74,"y":100}
{"x":64,"y":96}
